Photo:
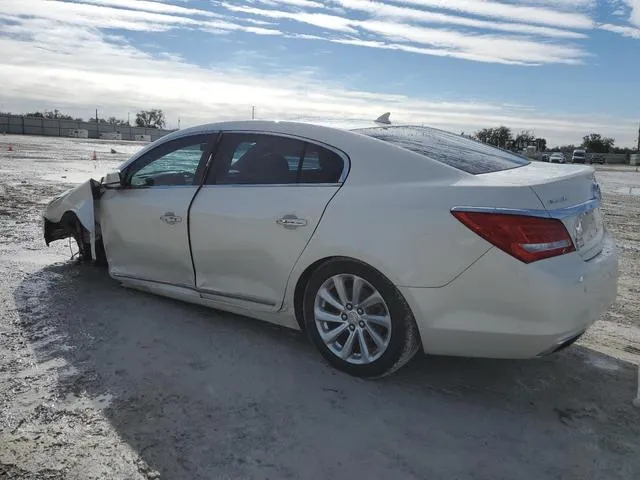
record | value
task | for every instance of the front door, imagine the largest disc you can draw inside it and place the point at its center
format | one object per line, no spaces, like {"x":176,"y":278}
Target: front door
{"x":255,"y":214}
{"x":144,"y":224}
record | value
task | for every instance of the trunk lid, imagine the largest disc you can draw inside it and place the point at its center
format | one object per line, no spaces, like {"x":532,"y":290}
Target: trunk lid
{"x":566,"y":192}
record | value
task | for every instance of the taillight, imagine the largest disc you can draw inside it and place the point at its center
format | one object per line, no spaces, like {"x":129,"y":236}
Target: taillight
{"x":529,"y":239}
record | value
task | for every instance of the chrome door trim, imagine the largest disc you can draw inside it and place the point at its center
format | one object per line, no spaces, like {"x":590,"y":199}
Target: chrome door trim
{"x":558,"y":214}
{"x":202,"y":291}
{"x":159,"y":282}
{"x":236,"y":296}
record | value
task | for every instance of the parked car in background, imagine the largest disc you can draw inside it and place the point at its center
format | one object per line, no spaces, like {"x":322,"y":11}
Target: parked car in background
{"x":377,"y":243}
{"x":544,"y":157}
{"x":557,"y":157}
{"x":598,"y":158}
{"x":578,"y":156}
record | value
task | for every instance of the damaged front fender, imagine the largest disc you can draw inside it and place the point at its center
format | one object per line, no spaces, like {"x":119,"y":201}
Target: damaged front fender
{"x":77,"y":203}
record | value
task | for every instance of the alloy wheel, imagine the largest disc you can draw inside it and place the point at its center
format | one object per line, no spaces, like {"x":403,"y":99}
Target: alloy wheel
{"x":352,"y":319}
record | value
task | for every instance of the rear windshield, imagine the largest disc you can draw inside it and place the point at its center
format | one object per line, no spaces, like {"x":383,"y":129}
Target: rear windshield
{"x":456,"y":151}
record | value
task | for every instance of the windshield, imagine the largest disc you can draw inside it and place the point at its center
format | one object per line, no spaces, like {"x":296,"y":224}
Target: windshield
{"x":456,"y":151}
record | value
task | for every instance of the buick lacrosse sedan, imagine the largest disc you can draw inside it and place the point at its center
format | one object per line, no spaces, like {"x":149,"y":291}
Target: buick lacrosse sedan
{"x":377,"y":242}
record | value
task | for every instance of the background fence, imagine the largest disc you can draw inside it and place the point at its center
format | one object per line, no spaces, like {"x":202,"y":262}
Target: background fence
{"x":62,"y":128}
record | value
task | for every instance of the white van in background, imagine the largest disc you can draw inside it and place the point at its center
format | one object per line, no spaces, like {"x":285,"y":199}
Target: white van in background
{"x":579,"y":156}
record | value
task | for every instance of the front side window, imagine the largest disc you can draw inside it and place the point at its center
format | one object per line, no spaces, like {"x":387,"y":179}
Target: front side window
{"x":259,"y":159}
{"x":171,"y":164}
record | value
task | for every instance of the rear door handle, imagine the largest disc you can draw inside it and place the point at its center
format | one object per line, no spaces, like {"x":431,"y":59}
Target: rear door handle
{"x":171,"y":218}
{"x":291,"y":221}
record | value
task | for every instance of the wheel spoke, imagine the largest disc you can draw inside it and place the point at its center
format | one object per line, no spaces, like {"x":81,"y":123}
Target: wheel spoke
{"x":347,"y":348}
{"x":330,"y":299}
{"x":338,"y":282}
{"x":356,"y":290}
{"x":332,"y":335}
{"x":322,"y":316}
{"x":357,"y":335}
{"x":377,"y":339}
{"x":371,"y":300}
{"x":382,"y":320}
{"x":364,"y":348}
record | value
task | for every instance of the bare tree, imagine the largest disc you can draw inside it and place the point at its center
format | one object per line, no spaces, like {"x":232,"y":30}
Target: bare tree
{"x":150,"y":118}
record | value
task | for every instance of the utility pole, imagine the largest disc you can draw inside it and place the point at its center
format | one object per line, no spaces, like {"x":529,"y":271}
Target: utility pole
{"x":97,"y":125}
{"x":638,"y":138}
{"x":253,"y":113}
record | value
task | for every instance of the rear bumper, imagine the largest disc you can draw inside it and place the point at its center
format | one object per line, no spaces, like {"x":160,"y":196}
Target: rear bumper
{"x":502,"y":308}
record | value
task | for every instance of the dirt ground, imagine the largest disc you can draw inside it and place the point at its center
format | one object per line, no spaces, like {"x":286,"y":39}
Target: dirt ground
{"x":97,"y":381}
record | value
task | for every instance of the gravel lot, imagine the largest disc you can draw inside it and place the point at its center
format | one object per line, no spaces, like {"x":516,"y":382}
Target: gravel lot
{"x":97,"y":381}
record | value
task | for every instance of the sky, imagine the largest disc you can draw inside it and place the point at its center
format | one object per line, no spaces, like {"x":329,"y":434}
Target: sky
{"x":562,"y":68}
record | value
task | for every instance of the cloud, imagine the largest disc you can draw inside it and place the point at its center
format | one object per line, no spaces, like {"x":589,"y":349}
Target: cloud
{"x":625,"y":31}
{"x":322,"y":20}
{"x":295,"y":3}
{"x":93,"y":15}
{"x":516,"y":50}
{"x":634,"y":17}
{"x":150,"y":6}
{"x":51,"y":64}
{"x":507,"y":11}
{"x":385,"y":11}
{"x":410,"y":38}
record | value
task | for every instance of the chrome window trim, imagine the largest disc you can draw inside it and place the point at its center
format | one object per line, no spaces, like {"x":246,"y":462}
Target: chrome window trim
{"x":156,"y":187}
{"x":345,"y":158}
{"x":201,"y":291}
{"x":263,"y":185}
{"x":557,"y":214}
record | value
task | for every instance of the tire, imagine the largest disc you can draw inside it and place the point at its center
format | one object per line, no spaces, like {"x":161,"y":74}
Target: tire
{"x":385,"y":349}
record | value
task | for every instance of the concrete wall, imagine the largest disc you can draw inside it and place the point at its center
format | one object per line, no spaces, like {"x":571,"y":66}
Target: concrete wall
{"x":616,"y":158}
{"x":60,"y":128}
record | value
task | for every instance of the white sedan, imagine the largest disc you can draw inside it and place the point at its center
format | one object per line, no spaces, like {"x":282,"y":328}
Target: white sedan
{"x":557,"y":157}
{"x":378,"y":242}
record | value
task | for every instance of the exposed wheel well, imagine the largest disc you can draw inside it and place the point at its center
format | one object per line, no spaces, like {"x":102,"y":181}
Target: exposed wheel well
{"x":62,"y":229}
{"x":298,"y":294}
{"x":70,"y":226}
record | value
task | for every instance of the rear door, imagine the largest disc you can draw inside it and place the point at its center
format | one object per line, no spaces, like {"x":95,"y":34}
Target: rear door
{"x":144,"y":224}
{"x":259,"y":206}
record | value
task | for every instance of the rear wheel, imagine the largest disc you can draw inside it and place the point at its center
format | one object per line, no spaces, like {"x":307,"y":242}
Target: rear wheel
{"x":358,"y":320}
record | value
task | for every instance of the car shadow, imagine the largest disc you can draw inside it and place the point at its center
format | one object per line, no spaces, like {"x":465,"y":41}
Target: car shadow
{"x":203,"y":394}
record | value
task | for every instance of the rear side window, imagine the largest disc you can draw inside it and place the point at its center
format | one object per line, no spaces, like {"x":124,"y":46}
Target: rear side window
{"x":456,"y":151}
{"x":259,"y":159}
{"x":320,"y":165}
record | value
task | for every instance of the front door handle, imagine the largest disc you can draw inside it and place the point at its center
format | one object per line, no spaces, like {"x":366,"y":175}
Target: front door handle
{"x":171,"y":218}
{"x":291,"y":221}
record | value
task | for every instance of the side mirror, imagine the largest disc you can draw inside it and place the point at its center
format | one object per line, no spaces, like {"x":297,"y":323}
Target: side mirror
{"x":112,"y":180}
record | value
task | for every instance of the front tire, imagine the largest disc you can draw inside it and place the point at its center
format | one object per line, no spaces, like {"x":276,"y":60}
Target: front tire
{"x":358,"y":319}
